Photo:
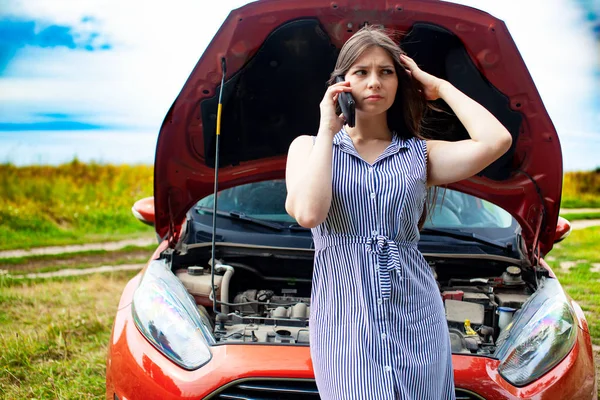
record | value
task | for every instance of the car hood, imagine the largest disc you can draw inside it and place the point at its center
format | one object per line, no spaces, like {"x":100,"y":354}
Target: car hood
{"x":278,"y":56}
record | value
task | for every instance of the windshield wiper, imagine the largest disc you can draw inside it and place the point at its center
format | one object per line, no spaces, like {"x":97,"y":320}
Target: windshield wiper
{"x":240,"y":216}
{"x":297,"y":227}
{"x":474,"y":237}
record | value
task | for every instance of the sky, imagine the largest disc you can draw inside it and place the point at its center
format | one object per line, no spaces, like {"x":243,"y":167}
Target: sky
{"x":94,"y":78}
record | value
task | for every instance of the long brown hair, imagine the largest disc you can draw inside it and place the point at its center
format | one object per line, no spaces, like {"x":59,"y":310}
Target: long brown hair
{"x":407,"y":114}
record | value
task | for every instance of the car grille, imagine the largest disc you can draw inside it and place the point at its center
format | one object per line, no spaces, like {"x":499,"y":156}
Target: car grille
{"x":263,"y":389}
{"x":292,"y":389}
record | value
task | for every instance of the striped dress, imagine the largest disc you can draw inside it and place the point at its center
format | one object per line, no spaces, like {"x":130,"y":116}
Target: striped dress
{"x":377,"y":325}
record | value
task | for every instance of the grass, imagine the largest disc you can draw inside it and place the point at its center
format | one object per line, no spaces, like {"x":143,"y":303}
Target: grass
{"x":78,"y":203}
{"x":582,"y":285}
{"x":70,"y":204}
{"x":581,"y":280}
{"x":581,"y":216}
{"x":54,"y":335}
{"x":581,"y":189}
{"x":580,"y":245}
{"x":585,"y":200}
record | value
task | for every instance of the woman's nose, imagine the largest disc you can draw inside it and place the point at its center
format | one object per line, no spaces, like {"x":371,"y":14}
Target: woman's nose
{"x":374,"y":81}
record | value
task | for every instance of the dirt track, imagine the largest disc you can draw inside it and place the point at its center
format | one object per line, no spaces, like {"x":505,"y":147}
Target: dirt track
{"x":86,"y":271}
{"x":584,"y":223}
{"x":108,"y":246}
{"x":565,"y":211}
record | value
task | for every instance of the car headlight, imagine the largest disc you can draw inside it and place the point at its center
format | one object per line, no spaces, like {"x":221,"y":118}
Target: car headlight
{"x":540,"y":340}
{"x":168,"y":317}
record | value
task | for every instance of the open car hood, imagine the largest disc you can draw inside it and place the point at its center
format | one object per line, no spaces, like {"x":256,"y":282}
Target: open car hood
{"x":279,"y":54}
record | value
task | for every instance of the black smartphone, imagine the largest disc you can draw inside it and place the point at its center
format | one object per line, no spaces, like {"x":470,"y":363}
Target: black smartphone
{"x":347,"y":104}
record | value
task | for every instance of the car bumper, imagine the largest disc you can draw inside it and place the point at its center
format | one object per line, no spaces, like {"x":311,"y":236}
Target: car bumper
{"x":136,"y":370}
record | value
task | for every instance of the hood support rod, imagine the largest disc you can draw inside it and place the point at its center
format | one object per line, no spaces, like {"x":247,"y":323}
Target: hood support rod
{"x":535,"y":255}
{"x":216,"y":188}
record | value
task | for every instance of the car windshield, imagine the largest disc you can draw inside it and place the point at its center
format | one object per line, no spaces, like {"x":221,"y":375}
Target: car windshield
{"x":453,"y":210}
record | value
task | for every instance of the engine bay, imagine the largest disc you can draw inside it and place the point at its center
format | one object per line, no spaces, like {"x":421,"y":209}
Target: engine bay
{"x":261,"y":301}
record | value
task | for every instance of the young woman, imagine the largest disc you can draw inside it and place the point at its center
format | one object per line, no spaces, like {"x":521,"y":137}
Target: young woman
{"x":377,"y":326}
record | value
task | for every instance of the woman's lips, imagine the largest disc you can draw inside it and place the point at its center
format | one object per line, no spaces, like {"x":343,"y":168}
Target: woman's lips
{"x":375,"y":97}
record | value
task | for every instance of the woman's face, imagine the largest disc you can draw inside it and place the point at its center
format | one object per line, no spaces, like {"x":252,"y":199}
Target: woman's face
{"x":374,"y":82}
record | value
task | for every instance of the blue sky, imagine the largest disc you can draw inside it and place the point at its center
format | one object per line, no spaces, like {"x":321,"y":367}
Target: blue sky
{"x":94,"y":78}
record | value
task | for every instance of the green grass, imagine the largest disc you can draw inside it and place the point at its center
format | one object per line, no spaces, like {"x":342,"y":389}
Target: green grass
{"x":585,"y":201}
{"x":581,"y":216}
{"x":581,"y":189}
{"x":70,"y":204}
{"x":580,"y":245}
{"x":78,"y":203}
{"x":580,"y":282}
{"x":54,"y":335}
{"x":582,"y":285}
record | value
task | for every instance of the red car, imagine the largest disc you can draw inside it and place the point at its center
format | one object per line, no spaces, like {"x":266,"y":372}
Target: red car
{"x":188,"y":327}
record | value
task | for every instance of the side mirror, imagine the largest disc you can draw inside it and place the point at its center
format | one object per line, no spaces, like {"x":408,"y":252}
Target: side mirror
{"x":143,"y":210}
{"x":563,"y":230}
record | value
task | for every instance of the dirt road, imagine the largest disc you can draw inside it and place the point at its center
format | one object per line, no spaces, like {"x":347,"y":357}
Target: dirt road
{"x":76,"y":272}
{"x":584,"y":223}
{"x":108,"y":246}
{"x":565,"y":211}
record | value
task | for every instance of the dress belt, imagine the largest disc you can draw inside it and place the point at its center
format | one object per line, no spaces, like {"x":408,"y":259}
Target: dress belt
{"x":386,"y":249}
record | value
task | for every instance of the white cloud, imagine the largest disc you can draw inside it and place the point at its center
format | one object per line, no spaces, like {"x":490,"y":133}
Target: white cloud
{"x":139,"y":24}
{"x":155,"y":47}
{"x":559,"y":50}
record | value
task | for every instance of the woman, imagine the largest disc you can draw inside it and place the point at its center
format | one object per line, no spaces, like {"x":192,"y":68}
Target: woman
{"x":377,"y":325}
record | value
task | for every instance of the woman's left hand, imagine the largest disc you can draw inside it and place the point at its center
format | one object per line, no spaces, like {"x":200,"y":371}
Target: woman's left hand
{"x":431,"y":84}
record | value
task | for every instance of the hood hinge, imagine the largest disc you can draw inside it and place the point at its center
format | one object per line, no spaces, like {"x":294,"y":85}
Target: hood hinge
{"x":537,"y":215}
{"x":534,"y":254}
{"x":171,"y":236}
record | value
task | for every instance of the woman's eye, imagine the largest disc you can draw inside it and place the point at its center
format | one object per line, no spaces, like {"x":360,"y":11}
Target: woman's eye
{"x":360,"y":72}
{"x":388,"y":71}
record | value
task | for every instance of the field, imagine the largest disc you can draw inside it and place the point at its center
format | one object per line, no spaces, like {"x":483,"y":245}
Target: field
{"x":576,"y":262}
{"x":81,"y":203}
{"x":71,"y":203}
{"x":581,"y":189}
{"x":54,"y":335}
{"x":578,"y":216}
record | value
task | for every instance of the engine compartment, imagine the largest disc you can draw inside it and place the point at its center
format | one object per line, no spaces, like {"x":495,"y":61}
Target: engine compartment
{"x":266,"y":298}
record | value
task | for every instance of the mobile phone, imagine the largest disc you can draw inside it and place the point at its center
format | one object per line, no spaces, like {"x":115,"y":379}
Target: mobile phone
{"x":347,"y":104}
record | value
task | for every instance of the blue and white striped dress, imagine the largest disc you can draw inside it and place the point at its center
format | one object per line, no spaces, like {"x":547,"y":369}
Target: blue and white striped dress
{"x":377,"y":325}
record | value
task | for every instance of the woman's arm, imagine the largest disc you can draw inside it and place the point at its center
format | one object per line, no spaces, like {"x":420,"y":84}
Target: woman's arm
{"x":453,"y":161}
{"x":308,"y":179}
{"x":308,"y":169}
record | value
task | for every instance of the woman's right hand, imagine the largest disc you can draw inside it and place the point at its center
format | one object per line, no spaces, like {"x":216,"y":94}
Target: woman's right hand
{"x":330,"y":121}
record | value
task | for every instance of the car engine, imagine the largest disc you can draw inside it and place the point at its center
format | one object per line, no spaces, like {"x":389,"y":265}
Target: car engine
{"x":477,"y":307}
